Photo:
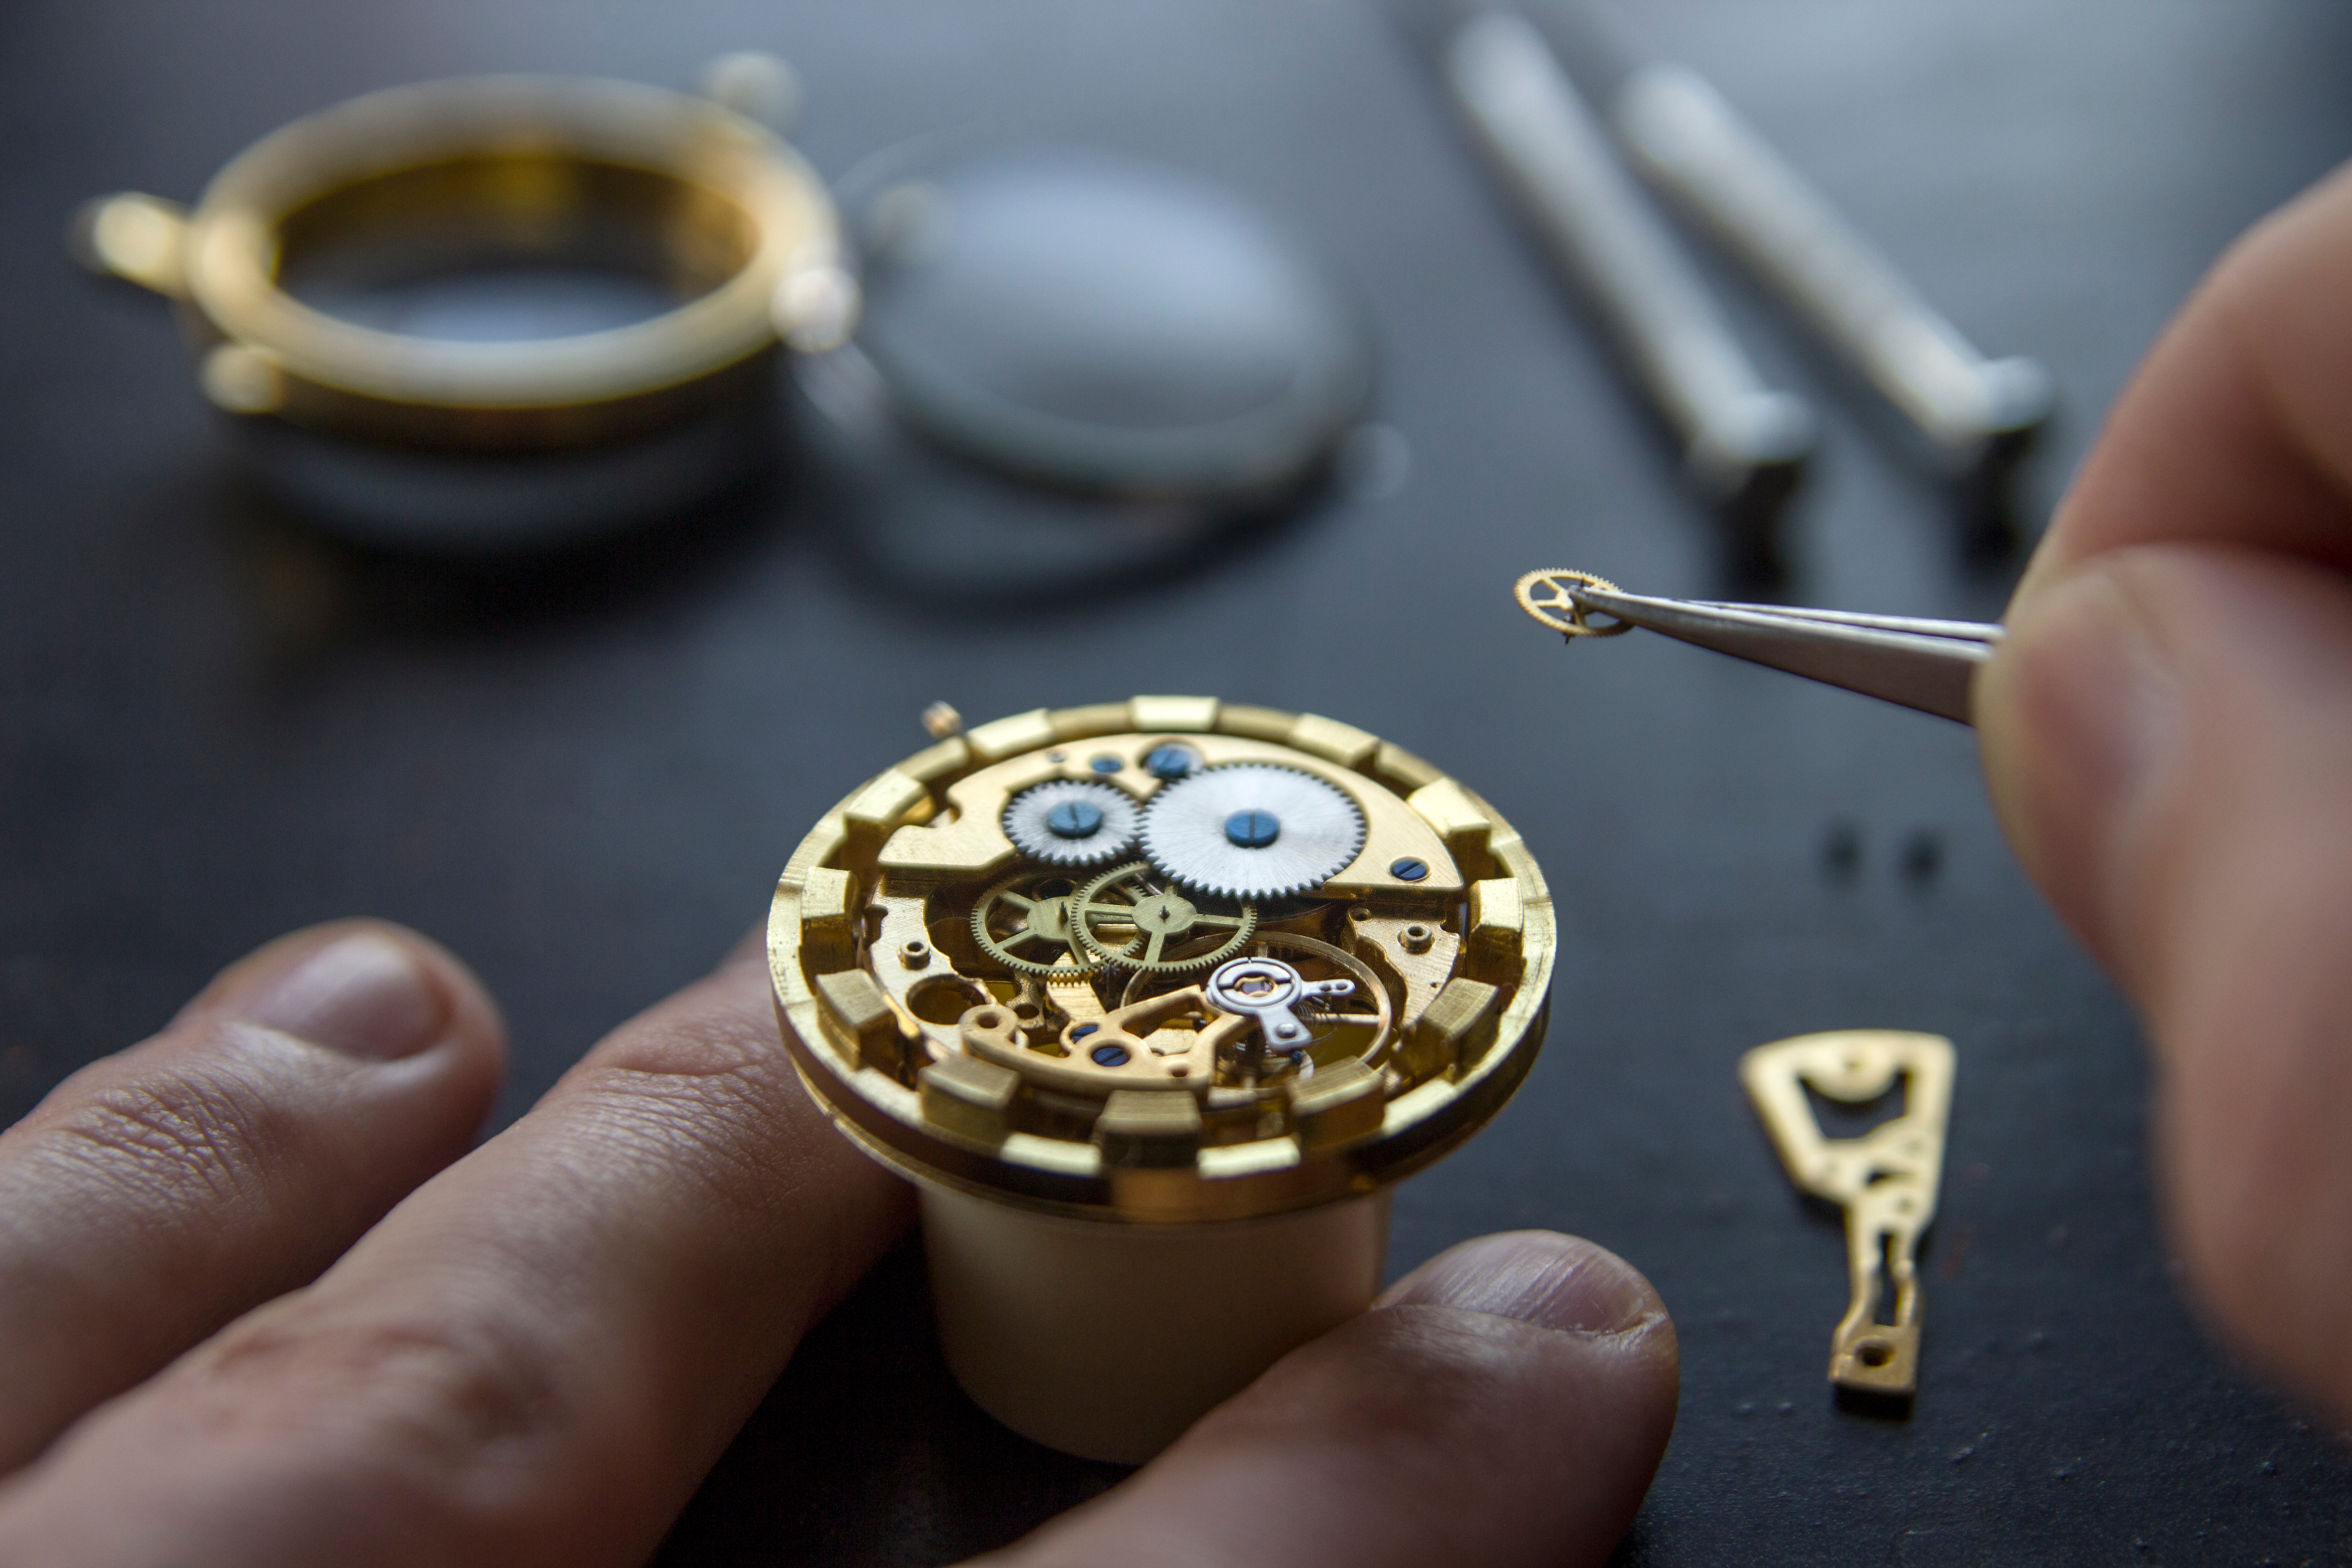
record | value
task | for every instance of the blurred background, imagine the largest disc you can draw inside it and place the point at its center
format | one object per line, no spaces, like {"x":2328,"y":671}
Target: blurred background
{"x":581,"y":768}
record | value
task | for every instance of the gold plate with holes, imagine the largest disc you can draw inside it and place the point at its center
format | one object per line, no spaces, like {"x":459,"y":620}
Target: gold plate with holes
{"x":1886,"y":1180}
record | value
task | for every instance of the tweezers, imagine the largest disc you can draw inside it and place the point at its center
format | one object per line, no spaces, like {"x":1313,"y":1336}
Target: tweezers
{"x":1929,"y":665}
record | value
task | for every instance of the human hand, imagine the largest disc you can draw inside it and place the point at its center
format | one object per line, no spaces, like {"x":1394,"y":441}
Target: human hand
{"x":2168,"y":735}
{"x":259,"y":1306}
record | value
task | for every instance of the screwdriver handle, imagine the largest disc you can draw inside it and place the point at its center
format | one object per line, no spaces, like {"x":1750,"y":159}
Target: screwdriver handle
{"x":1599,"y":227}
{"x":1681,"y":133}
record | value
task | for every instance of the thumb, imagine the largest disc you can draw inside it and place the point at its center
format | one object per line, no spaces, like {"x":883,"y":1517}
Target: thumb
{"x":1505,"y":1404}
{"x":2168,"y":737}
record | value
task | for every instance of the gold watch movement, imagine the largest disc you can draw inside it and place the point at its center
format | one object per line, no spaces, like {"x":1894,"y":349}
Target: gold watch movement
{"x":1154,"y":999}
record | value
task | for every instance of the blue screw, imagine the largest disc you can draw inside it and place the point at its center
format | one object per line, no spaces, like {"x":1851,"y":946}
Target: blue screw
{"x":1075,"y":819}
{"x":1408,"y":869}
{"x":1252,"y":830}
{"x":1109,"y":1056}
{"x":1083,"y":1030}
{"x":1106,"y":764}
{"x":1167,"y":762}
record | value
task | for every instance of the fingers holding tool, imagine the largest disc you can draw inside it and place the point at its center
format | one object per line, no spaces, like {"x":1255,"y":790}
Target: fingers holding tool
{"x":2168,"y":734}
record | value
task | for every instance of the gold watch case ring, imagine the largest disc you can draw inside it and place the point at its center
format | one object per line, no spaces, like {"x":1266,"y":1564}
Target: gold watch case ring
{"x":742,"y":225}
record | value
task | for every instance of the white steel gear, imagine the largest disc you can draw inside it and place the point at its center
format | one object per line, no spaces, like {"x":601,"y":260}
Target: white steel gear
{"x":1071,"y":822}
{"x":1252,"y":830}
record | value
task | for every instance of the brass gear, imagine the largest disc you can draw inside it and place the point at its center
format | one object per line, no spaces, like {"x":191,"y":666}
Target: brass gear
{"x":1545,"y":596}
{"x":1046,"y":919}
{"x":1141,"y":896}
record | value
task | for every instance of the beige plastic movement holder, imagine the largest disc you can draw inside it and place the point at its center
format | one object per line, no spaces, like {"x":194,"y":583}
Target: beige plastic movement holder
{"x":1155,"y":1000}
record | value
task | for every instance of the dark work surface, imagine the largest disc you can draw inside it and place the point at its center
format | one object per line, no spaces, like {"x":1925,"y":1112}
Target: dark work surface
{"x":585,"y":780}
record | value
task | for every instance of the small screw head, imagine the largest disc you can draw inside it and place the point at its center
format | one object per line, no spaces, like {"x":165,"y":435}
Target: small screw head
{"x":1108,"y":1055}
{"x":1406,"y":868}
{"x":1250,"y":828}
{"x":1167,"y":762}
{"x":1104,"y":762}
{"x":1074,"y":819}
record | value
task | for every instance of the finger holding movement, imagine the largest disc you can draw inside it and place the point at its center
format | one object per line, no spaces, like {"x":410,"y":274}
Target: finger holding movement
{"x":534,"y":1359}
{"x":1505,"y":1404}
{"x":156,"y":1194}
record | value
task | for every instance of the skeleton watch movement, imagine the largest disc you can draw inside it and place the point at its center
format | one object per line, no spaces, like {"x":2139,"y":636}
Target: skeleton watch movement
{"x":1154,"y":1000}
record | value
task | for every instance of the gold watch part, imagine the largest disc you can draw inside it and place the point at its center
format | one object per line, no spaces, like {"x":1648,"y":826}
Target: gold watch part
{"x":1886,"y":1180}
{"x":1067,"y":960}
{"x":741,"y":230}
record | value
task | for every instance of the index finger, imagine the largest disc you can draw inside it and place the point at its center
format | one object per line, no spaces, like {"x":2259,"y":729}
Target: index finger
{"x":2233,"y":431}
{"x":534,"y":1358}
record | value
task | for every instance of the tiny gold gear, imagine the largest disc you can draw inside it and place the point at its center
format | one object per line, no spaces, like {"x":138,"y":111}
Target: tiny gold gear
{"x":1544,"y":594}
{"x":1045,"y":920}
{"x":1162,"y":917}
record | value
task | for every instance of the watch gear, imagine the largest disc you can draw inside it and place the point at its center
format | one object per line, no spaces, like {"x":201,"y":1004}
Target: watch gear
{"x":1072,"y":822}
{"x":1251,"y":831}
{"x":1138,"y":898}
{"x":1023,"y":923}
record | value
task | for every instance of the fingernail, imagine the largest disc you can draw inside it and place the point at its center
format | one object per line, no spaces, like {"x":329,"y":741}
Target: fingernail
{"x":364,"y":994}
{"x":1553,"y":1281}
{"x":2079,"y":715}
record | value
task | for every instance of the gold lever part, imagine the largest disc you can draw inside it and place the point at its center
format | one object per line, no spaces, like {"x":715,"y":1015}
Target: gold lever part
{"x":1885,"y":1180}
